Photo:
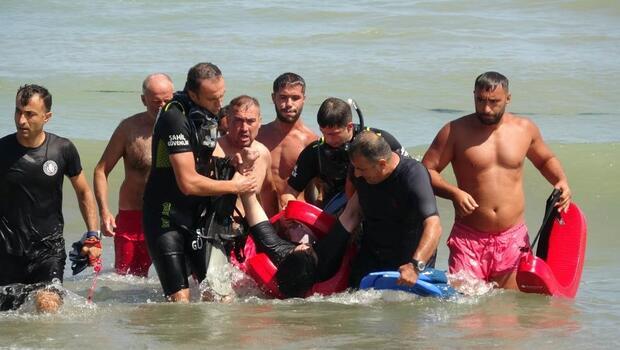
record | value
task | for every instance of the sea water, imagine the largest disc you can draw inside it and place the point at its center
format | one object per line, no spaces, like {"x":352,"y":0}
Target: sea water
{"x":410,"y":65}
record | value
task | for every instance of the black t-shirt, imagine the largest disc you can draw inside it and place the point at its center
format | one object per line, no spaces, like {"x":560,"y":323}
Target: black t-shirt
{"x":31,"y":190}
{"x":394,"y":211}
{"x":329,"y":164}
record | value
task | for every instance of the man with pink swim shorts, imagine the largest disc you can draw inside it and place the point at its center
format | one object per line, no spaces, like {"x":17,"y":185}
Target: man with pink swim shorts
{"x":487,"y":150}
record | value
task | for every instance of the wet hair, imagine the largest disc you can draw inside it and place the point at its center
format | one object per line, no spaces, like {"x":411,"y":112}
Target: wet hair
{"x":198,"y":73}
{"x":25,"y":93}
{"x":289,"y":79}
{"x":243,"y":102}
{"x":296,"y":274}
{"x":371,"y":146}
{"x":334,"y":112}
{"x":489,"y":81}
{"x":147,"y":80}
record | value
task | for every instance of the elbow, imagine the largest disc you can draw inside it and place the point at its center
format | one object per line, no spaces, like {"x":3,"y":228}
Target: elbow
{"x":185,"y":186}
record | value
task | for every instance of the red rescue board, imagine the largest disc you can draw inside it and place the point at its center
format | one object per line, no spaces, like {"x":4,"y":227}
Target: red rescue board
{"x":560,"y":273}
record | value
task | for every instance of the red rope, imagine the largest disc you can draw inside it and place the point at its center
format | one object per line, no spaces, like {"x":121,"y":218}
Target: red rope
{"x":91,"y":291}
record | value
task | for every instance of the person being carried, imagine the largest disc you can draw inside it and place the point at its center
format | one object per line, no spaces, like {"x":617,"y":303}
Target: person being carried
{"x":300,"y":265}
{"x":131,"y":141}
{"x":184,"y":138}
{"x":401,"y":227}
{"x":33,"y":164}
{"x":327,"y":158}
{"x":487,"y":150}
{"x":286,"y":136}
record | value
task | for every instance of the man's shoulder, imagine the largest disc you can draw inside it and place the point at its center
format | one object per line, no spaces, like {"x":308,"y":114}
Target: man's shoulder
{"x":7,"y":139}
{"x":133,"y":120}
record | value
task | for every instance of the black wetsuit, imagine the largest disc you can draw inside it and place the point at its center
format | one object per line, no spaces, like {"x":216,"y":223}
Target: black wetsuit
{"x":330,"y":164}
{"x":171,"y":218}
{"x":32,"y":247}
{"x":394,"y":211}
{"x":329,"y":250}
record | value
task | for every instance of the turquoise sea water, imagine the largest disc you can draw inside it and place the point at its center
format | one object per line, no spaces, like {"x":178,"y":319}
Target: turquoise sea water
{"x":410,"y":65}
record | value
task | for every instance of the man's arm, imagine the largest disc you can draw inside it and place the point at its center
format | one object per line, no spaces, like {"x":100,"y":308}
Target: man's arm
{"x":290,"y":194}
{"x":86,"y":200}
{"x":437,"y":157}
{"x":549,"y":165}
{"x":426,"y":248}
{"x":268,"y":196}
{"x":193,"y":184}
{"x":112,"y":153}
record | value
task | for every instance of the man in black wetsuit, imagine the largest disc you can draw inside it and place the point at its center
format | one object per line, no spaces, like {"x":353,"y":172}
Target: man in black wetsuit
{"x":33,"y":164}
{"x":327,"y":157}
{"x":184,"y":138}
{"x":401,"y":226}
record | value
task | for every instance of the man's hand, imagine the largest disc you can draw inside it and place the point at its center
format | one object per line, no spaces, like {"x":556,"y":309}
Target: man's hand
{"x":92,"y":249}
{"x":565,"y":197}
{"x":408,"y":275}
{"x":108,"y":224}
{"x":244,"y":183}
{"x":464,"y":204}
{"x":244,"y":160}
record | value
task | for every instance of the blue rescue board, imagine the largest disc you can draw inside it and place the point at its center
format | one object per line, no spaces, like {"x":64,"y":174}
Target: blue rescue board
{"x":430,"y":283}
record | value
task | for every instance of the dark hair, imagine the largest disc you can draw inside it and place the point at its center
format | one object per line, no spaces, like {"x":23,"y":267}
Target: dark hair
{"x":289,"y":79}
{"x":200,"y":72}
{"x":489,"y":81}
{"x":25,"y":93}
{"x":296,"y":274}
{"x":334,"y":112}
{"x":243,"y":102}
{"x":371,"y":146}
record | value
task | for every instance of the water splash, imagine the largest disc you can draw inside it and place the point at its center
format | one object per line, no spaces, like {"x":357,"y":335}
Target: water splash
{"x":468,"y":284}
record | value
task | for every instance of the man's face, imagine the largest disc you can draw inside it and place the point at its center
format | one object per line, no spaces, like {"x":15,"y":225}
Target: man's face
{"x":210,"y":94}
{"x":30,"y":119}
{"x":372,"y":172}
{"x":491,"y":105}
{"x":243,"y":125}
{"x":158,"y":92}
{"x":289,"y":102}
{"x":336,"y":136}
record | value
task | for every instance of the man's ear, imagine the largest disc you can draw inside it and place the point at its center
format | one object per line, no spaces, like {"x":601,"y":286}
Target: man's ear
{"x":273,"y":97}
{"x":382,"y":163}
{"x":508,"y":98}
{"x":47,"y":117}
{"x":143,"y":100}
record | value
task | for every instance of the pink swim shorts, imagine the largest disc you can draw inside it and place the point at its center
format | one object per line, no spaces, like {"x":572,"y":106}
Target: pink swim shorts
{"x":486,"y":254}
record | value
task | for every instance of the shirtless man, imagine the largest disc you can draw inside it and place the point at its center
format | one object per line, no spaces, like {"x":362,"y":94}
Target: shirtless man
{"x":131,"y":141}
{"x":244,"y":123}
{"x":487,"y":150}
{"x":286,"y":136}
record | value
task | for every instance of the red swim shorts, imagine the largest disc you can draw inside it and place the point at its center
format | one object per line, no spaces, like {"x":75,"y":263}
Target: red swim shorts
{"x":131,"y":254}
{"x":486,"y":254}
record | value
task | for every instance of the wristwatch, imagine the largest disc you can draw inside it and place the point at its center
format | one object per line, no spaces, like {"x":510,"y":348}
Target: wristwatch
{"x":419,"y":265}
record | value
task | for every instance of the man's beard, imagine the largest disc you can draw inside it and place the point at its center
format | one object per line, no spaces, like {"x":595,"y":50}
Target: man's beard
{"x":286,"y":119}
{"x":496,"y":118}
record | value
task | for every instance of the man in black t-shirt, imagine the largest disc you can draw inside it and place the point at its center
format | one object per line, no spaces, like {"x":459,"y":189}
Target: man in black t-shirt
{"x":401,"y":226}
{"x":183,"y":141}
{"x":327,"y":157}
{"x":33,"y":164}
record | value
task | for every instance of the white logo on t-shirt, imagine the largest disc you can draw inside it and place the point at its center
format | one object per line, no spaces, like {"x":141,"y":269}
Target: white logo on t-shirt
{"x":50,"y":168}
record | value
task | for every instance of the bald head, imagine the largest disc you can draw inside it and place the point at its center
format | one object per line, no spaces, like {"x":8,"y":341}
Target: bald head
{"x":157,"y":89}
